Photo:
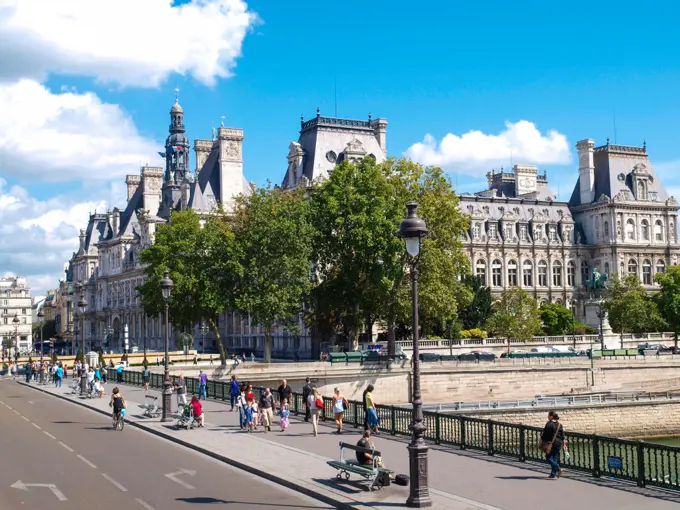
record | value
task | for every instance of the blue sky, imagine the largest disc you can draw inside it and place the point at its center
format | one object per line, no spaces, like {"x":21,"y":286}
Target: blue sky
{"x":439,"y":68}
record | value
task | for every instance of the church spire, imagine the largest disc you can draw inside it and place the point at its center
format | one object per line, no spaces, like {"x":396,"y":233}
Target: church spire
{"x":177,"y":146}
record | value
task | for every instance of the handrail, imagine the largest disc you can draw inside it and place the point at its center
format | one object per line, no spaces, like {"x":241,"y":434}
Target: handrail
{"x":643,"y":463}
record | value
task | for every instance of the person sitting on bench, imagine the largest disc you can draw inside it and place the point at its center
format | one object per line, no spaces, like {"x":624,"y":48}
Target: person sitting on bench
{"x":366,"y":458}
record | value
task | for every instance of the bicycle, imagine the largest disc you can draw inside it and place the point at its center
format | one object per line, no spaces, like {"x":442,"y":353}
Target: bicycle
{"x":118,"y":420}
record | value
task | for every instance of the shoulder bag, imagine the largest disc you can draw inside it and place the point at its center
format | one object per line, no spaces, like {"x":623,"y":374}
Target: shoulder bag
{"x":546,"y":447}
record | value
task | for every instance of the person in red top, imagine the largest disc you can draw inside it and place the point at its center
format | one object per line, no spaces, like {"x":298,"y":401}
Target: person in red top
{"x":198,"y":410}
{"x":249,"y":394}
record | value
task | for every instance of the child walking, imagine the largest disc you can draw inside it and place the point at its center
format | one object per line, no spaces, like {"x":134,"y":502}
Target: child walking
{"x":285,"y":414}
{"x":251,"y":415}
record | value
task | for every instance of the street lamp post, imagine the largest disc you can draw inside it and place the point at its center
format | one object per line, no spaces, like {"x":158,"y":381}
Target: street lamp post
{"x":166,"y":289}
{"x":412,"y":230}
{"x":41,"y":317}
{"x":82,"y":305}
{"x":600,"y":315}
{"x":204,"y":329}
{"x":15,"y":322}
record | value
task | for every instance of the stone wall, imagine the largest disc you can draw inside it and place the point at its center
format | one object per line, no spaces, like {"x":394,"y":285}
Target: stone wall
{"x":456,"y":382}
{"x":628,"y":419}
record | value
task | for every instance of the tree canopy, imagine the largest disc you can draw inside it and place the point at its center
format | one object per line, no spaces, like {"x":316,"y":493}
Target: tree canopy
{"x":480,"y":308}
{"x":516,"y":316}
{"x":274,"y":234}
{"x":629,"y":308}
{"x":668,"y":298}
{"x":557,"y":319}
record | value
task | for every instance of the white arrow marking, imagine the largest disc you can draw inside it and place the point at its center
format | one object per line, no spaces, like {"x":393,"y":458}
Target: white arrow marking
{"x":173,"y":477}
{"x":24,"y":487}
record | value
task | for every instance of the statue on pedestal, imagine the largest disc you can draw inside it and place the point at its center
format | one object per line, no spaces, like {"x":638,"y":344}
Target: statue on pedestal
{"x":598,"y":281}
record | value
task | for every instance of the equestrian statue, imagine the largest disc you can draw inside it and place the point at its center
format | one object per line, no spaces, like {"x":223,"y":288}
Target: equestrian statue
{"x":597,"y":282}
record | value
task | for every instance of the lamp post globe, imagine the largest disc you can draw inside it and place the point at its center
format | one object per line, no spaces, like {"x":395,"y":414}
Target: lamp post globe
{"x":166,"y":285}
{"x":412,"y":230}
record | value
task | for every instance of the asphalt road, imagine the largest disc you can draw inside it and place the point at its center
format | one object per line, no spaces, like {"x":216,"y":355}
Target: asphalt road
{"x":77,"y":461}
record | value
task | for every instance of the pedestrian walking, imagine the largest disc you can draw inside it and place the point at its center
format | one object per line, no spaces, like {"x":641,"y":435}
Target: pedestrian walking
{"x":242,"y":404}
{"x":202,"y":386}
{"x":119,"y":373}
{"x":306,"y":391}
{"x":285,"y":392}
{"x":371,"y":412}
{"x":58,"y":376}
{"x":285,"y":416}
{"x":146,"y":377}
{"x":339,"y":406}
{"x":267,"y":407}
{"x":315,"y":404}
{"x":234,"y":391}
{"x":211,"y":359}
{"x":195,"y":359}
{"x":158,"y":361}
{"x":552,"y":442}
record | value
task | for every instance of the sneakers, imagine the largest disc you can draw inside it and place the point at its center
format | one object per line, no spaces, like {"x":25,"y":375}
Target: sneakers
{"x":558,"y":474}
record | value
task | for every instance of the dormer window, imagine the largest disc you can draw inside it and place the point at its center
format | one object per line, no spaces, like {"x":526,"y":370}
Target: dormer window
{"x":523,"y":233}
{"x":641,"y":189}
{"x":476,"y":230}
{"x":552,"y":234}
{"x":507,"y":231}
{"x":492,"y":231}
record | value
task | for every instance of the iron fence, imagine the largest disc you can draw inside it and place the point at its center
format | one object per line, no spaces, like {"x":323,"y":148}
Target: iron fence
{"x":643,"y":463}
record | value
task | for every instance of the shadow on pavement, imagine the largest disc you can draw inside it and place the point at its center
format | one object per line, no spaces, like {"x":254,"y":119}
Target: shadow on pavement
{"x":346,"y":486}
{"x":519,"y":477}
{"x":215,"y":501}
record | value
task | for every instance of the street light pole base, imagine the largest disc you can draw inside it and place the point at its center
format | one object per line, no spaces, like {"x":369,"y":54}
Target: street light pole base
{"x":419,"y":495}
{"x":167,"y":402}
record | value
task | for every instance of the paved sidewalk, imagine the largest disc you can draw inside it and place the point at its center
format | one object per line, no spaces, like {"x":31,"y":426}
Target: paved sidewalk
{"x":459,"y":480}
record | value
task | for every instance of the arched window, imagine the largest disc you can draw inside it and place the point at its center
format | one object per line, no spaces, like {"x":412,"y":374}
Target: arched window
{"x":658,"y":230}
{"x":630,"y":230}
{"x":527,"y":273}
{"x":497,"y":273}
{"x":644,"y":230}
{"x":660,"y":266}
{"x":606,"y":229}
{"x":585,"y":272}
{"x":596,"y":223}
{"x":632,"y":267}
{"x":606,"y":268}
{"x":571,"y":274}
{"x":512,"y":273}
{"x":543,"y":273}
{"x":647,"y":272}
{"x":480,"y":270}
{"x":641,"y":190}
{"x":557,"y":273}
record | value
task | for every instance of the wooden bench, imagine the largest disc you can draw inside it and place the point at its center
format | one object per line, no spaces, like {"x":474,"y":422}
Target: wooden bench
{"x":379,"y":477}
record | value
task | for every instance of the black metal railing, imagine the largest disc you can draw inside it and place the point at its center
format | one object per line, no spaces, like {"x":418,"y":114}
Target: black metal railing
{"x":643,"y":463}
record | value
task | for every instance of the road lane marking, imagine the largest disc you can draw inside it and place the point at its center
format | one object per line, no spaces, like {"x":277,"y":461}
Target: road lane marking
{"x":144,"y":504}
{"x":30,"y":402}
{"x":66,"y":446}
{"x":8,"y":407}
{"x":173,"y":477}
{"x":87,"y":461}
{"x":16,"y":412}
{"x":49,"y":435}
{"x":25,"y":418}
{"x":24,"y":487}
{"x":36,"y":426}
{"x":114,"y":483}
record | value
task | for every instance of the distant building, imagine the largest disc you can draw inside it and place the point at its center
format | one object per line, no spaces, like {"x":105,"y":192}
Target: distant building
{"x":619,"y":220}
{"x":15,"y":301}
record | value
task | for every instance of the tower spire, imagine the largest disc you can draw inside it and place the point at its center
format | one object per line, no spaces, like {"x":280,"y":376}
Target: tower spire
{"x":176,"y":94}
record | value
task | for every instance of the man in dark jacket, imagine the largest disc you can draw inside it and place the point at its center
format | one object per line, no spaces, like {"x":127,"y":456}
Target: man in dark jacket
{"x":306,"y":392}
{"x":284,"y":393}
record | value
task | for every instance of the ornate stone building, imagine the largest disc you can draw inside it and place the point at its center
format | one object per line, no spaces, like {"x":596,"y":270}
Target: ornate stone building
{"x":106,"y":268}
{"x":619,"y":219}
{"x":15,"y":301}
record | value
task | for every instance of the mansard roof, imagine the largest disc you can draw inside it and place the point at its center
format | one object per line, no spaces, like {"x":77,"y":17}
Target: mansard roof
{"x":522,"y":209}
{"x":615,"y":170}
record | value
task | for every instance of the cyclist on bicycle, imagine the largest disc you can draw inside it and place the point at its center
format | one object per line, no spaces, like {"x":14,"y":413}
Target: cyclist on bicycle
{"x":117,"y":402}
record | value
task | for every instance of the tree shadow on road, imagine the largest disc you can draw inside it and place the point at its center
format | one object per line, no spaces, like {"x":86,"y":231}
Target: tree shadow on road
{"x":522,"y":477}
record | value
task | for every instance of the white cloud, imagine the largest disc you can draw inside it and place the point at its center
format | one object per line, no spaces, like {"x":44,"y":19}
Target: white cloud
{"x":127,"y":42}
{"x":669,"y":173}
{"x":476,"y":153}
{"x":67,"y":136}
{"x":37,"y":237}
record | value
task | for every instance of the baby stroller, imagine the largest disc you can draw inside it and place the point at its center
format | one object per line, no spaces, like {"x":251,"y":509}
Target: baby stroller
{"x":186,"y":419}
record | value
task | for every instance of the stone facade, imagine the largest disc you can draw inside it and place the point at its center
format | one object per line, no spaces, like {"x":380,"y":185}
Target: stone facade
{"x":106,"y":270}
{"x":15,"y":301}
{"x":619,"y":219}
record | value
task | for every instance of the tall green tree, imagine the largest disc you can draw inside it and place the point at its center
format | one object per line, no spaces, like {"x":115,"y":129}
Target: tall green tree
{"x":516,"y":316}
{"x":274,"y":234}
{"x":557,"y":319}
{"x":668,"y":298}
{"x":203,"y":264}
{"x":480,"y":308}
{"x":362,"y":264}
{"x":629,"y":308}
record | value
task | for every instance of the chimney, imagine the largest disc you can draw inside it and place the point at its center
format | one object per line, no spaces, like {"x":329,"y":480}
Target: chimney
{"x":380,"y":133}
{"x":82,"y":240}
{"x":132,"y":182}
{"x":116,"y":221}
{"x":202,"y":149}
{"x":152,"y":182}
{"x":586,"y":170}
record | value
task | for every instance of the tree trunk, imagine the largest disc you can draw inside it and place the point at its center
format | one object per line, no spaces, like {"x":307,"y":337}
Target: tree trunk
{"x":220,"y":347}
{"x":267,"y":344}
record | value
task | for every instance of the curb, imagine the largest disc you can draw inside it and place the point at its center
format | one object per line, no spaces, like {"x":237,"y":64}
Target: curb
{"x":340,"y":505}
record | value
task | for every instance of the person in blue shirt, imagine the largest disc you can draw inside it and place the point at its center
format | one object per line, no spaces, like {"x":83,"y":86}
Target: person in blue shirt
{"x":119,"y":373}
{"x":58,"y":376}
{"x":234,"y":390}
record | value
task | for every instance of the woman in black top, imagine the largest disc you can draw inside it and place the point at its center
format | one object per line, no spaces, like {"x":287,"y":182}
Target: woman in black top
{"x":553,"y":432}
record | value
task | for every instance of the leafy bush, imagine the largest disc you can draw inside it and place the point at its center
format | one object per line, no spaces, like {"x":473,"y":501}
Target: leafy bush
{"x":583,"y":329}
{"x":473,"y":333}
{"x":124,"y":357}
{"x":54,"y":357}
{"x":80,"y":356}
